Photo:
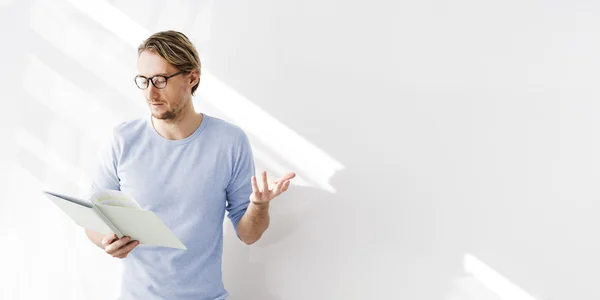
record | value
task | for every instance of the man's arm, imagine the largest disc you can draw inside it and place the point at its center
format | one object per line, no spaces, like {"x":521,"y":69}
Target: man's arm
{"x":253,"y":223}
{"x":255,"y":220}
{"x":247,"y":205}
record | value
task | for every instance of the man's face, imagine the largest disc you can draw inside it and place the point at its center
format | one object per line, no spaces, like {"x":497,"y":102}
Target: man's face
{"x":167,"y":103}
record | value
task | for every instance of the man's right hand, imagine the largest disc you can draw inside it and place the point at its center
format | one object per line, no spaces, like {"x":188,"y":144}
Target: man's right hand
{"x":118,"y":248}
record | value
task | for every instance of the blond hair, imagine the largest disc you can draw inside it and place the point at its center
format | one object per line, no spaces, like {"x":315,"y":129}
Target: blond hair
{"x":176,"y":49}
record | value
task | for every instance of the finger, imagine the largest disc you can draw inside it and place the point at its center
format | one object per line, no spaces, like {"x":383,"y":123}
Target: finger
{"x":288,"y":176}
{"x":286,"y":185}
{"x":278,"y":188}
{"x":254,"y":185}
{"x":124,"y":251}
{"x":112,"y":248}
{"x":285,"y":177}
{"x":265,"y":182}
{"x":107,"y":240}
{"x":281,"y":185}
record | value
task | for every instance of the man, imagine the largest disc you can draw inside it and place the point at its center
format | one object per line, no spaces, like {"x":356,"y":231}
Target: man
{"x":188,"y":168}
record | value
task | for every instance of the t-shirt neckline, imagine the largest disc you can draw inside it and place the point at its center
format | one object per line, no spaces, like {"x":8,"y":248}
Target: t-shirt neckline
{"x":159,"y":138}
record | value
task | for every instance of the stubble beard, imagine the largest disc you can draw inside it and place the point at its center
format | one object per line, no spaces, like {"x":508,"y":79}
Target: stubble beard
{"x":173,"y":115}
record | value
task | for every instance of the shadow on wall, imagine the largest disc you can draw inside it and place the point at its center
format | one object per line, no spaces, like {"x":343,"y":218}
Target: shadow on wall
{"x":360,"y":243}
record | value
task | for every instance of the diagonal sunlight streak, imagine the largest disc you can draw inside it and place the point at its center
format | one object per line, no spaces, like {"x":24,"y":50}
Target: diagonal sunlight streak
{"x":66,"y":100}
{"x":56,"y":24}
{"x":113,"y":19}
{"x":27,"y":141}
{"x":276,"y":167}
{"x":493,"y":280}
{"x":312,"y":162}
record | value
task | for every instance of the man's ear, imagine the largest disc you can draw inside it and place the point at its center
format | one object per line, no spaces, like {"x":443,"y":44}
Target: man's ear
{"x":194,"y":77}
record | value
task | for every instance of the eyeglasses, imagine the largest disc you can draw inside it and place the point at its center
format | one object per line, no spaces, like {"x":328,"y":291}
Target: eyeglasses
{"x":159,"y":81}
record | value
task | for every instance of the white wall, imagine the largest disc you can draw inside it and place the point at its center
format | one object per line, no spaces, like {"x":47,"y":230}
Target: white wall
{"x":446,"y":149}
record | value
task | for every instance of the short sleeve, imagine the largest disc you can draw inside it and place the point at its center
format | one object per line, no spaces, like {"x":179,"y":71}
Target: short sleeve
{"x":239,"y":188}
{"x":104,"y":174}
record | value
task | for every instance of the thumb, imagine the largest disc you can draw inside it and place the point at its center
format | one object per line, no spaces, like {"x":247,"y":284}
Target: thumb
{"x":107,"y":240}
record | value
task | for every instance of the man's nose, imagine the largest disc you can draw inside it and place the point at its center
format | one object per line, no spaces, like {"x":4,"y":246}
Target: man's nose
{"x":152,"y":92}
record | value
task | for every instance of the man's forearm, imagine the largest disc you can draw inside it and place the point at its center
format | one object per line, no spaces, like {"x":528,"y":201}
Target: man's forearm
{"x":253,"y":223}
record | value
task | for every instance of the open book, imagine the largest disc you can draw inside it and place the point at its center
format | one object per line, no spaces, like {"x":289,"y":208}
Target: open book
{"x":111,"y":212}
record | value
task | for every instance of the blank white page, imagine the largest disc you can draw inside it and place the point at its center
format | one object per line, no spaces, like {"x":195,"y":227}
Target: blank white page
{"x":142,"y":225}
{"x":83,"y":215}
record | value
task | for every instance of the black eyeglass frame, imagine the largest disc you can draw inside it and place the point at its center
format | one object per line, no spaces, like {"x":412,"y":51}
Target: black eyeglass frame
{"x":151,"y":79}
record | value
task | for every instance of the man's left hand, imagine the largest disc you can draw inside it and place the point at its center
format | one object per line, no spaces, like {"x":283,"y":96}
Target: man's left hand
{"x":269,"y":191}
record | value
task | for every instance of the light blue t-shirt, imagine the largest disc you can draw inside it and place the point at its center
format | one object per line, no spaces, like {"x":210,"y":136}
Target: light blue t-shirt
{"x":189,"y":184}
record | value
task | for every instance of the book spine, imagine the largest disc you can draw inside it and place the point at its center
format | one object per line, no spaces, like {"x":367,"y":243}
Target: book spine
{"x":107,"y":221}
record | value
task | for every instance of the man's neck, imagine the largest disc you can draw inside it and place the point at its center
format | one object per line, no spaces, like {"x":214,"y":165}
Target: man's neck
{"x":181,"y":128}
